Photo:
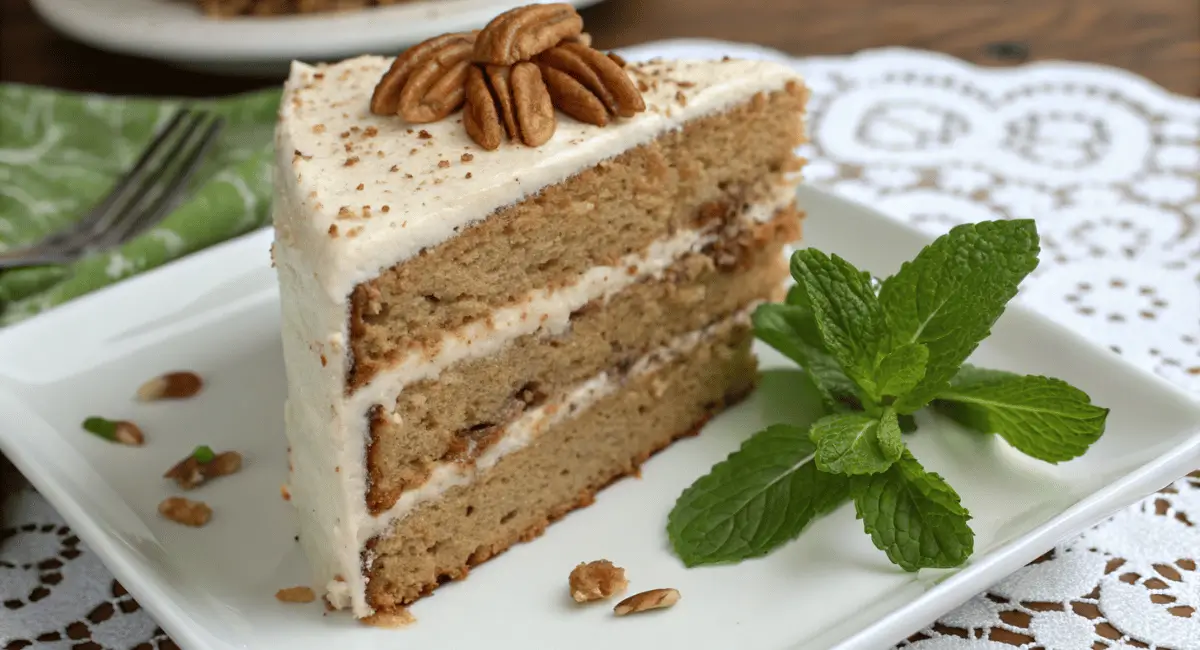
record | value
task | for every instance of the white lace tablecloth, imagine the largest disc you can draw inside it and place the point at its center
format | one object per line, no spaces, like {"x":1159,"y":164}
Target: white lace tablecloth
{"x":1107,"y":163}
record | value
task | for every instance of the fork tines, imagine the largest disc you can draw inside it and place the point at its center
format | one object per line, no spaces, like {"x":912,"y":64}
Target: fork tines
{"x":149,"y":191}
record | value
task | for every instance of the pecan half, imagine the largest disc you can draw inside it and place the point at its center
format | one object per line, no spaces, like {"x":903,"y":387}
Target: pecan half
{"x":516,"y":103}
{"x":425,"y":83}
{"x":190,"y":473}
{"x":588,"y":85}
{"x":173,"y":385}
{"x":646,"y":601}
{"x":479,"y":116}
{"x":522,"y":33}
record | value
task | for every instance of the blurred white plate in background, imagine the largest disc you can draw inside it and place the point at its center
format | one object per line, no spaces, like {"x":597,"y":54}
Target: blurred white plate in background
{"x":177,"y":32}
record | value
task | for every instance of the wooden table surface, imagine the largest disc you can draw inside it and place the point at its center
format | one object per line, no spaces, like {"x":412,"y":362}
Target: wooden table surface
{"x":1159,"y":39}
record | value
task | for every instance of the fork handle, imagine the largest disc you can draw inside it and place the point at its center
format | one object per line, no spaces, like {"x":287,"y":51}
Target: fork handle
{"x":21,"y":259}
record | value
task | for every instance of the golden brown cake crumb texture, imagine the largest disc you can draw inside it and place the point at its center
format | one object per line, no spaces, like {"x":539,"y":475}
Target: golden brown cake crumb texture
{"x":594,"y":218}
{"x":459,"y":414}
{"x":559,"y":471}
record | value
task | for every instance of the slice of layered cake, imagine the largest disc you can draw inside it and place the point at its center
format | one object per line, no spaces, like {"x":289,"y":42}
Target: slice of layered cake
{"x":512,"y":268}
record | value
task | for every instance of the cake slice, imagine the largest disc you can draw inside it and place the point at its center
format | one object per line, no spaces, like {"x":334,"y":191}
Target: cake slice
{"x":481,"y":334}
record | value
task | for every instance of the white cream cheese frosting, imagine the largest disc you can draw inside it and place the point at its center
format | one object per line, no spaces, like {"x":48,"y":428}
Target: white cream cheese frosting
{"x":358,"y":193}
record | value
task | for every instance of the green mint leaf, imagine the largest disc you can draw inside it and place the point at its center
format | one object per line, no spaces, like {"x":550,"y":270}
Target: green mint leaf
{"x":845,"y":310}
{"x":790,"y":329}
{"x":760,"y":497}
{"x":914,"y":516}
{"x":971,"y":374}
{"x":102,"y":427}
{"x":852,"y":443}
{"x":902,"y":369}
{"x":203,"y":454}
{"x":1046,"y":418}
{"x":951,"y":294}
{"x":889,"y":435}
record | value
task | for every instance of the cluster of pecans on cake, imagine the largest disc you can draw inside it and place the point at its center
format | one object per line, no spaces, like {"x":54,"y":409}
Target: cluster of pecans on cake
{"x":509,"y":78}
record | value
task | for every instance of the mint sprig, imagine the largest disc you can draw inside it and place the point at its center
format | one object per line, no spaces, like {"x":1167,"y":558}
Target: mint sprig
{"x":759,"y":498}
{"x":878,"y":352}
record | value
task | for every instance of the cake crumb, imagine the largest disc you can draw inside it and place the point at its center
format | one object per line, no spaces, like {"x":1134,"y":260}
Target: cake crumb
{"x":351,"y":161}
{"x":596,"y":580}
{"x":424,"y":135}
{"x":370,"y":132}
{"x":295,"y":595}
{"x":360,"y":187}
{"x":647,"y":600}
{"x":318,"y":128}
{"x":395,"y":168}
{"x":386,"y":208}
{"x":184,"y":511}
{"x":468,"y":175}
{"x":466,"y":157}
{"x":285,"y":493}
{"x":443,"y":164}
{"x":391,"y":620}
{"x":333,"y":231}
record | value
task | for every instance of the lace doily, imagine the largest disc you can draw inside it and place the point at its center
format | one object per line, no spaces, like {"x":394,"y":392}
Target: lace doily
{"x":1107,"y":163}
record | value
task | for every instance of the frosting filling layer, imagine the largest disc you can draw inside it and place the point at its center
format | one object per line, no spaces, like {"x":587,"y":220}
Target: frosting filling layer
{"x":549,"y":311}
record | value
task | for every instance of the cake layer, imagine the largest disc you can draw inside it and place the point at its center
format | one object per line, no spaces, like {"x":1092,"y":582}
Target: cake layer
{"x":458,"y":415}
{"x":616,"y":208}
{"x":366,"y":192}
{"x":667,"y":395}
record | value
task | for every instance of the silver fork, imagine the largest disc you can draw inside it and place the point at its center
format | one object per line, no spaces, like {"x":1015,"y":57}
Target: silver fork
{"x":141,"y":198}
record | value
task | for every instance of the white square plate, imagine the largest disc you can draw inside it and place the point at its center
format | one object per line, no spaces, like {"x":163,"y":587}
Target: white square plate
{"x":212,"y":588}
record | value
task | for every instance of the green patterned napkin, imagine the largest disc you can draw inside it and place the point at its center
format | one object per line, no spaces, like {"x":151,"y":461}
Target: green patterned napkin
{"x":61,"y":152}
